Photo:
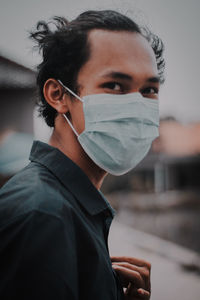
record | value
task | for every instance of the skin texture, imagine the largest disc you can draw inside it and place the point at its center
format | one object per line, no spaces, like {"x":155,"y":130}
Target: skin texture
{"x":120,"y":62}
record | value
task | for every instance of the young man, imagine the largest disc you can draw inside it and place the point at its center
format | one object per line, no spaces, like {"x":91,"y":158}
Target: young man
{"x":99,"y":82}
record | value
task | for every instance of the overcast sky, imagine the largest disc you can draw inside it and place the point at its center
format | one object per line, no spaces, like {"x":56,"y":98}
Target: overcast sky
{"x":177,"y":22}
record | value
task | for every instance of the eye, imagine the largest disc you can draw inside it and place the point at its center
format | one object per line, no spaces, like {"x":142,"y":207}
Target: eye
{"x":114,"y":86}
{"x":150,"y":91}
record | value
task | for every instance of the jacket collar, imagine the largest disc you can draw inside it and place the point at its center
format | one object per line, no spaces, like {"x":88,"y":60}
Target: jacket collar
{"x":71,"y":176}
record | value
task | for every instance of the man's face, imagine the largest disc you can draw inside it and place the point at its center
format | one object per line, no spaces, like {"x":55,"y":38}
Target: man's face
{"x":120,"y":62}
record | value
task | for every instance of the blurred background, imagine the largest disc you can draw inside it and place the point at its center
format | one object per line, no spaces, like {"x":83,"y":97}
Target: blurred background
{"x":158,"y":203}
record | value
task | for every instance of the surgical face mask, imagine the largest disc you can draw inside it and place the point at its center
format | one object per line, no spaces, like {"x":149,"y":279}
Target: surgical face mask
{"x":119,"y":129}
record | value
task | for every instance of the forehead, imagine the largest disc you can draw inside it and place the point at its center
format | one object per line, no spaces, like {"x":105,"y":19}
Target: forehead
{"x":120,"y":51}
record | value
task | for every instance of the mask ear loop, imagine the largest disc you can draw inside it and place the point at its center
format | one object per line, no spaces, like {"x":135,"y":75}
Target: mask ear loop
{"x":70,"y":124}
{"x":70,"y":91}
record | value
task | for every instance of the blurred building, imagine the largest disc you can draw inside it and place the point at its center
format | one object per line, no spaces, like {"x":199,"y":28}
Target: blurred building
{"x":17,"y":96}
{"x":177,"y":149}
{"x":17,"y":91}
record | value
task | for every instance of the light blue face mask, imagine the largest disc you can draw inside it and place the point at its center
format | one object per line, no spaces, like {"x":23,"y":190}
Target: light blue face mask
{"x":119,"y":129}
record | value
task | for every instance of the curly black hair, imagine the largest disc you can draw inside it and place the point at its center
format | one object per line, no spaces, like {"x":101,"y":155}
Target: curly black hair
{"x":66,"y":48}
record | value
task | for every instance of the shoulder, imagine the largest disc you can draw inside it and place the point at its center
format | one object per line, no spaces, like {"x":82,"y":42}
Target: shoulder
{"x":33,"y":188}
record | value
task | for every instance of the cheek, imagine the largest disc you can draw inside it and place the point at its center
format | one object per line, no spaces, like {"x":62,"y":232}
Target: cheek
{"x":88,"y":87}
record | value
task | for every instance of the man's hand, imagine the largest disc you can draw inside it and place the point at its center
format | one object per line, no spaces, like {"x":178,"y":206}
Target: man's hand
{"x":134,"y":275}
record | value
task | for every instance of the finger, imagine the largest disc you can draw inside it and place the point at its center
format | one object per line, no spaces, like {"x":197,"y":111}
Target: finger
{"x":142,"y":270}
{"x":143,"y":294}
{"x":140,"y":293}
{"x":132,"y":260}
{"x":131,"y":291}
{"x":127,"y":275}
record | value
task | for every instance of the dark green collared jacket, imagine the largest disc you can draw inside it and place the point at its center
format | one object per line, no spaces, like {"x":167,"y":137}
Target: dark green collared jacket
{"x":54,"y":227}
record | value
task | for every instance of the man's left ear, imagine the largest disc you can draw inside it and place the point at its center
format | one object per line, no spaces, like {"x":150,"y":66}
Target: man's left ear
{"x":55,"y":95}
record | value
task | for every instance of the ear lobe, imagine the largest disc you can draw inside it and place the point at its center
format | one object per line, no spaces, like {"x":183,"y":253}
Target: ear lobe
{"x":55,"y":96}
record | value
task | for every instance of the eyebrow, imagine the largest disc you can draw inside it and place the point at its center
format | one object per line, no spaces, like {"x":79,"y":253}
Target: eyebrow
{"x":155,"y":79}
{"x":120,"y":75}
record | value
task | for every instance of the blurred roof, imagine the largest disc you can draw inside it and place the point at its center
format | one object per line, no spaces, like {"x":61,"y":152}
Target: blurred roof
{"x":177,"y":139}
{"x":15,"y":76}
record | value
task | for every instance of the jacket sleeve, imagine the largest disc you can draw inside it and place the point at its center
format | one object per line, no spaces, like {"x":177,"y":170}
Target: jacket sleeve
{"x":38,"y":259}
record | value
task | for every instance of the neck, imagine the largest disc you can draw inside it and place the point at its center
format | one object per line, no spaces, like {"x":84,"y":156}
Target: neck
{"x":64,"y":139}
